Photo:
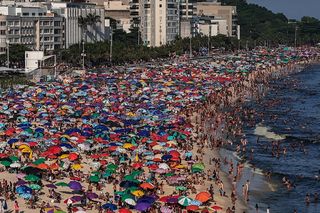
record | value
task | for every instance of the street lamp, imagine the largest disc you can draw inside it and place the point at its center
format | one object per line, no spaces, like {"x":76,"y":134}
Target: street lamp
{"x":83,"y":55}
{"x":111,"y":44}
{"x":8,"y":53}
{"x":8,"y":48}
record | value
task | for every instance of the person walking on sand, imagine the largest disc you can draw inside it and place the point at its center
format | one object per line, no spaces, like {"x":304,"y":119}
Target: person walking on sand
{"x":16,"y":207}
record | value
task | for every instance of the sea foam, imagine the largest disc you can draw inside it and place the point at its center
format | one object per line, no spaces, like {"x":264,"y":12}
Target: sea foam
{"x":264,"y":131}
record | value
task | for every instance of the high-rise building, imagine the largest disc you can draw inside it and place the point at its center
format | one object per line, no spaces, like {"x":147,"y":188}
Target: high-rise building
{"x":159,"y":21}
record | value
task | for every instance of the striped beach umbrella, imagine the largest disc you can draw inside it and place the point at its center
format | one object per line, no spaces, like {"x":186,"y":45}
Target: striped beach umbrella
{"x":184,"y":201}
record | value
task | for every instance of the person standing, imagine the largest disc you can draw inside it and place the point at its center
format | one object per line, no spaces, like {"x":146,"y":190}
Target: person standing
{"x":16,"y":207}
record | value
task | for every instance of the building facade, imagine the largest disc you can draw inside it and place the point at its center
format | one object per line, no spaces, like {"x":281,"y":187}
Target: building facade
{"x":74,"y":33}
{"x":159,"y":21}
{"x":32,"y":27}
{"x":229,"y":13}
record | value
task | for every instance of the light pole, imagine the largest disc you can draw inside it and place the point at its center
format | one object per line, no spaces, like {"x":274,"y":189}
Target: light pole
{"x":111,"y":43}
{"x":295,"y":33}
{"x":295,"y":37}
{"x":8,"y":53}
{"x":83,"y":54}
{"x":209,"y":36}
{"x":190,"y":46}
{"x":55,"y":66}
{"x":8,"y":48}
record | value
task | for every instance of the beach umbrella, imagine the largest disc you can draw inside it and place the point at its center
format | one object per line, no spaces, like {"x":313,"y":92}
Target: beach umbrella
{"x":124,"y":211}
{"x":75,"y":185}
{"x":15,"y":165}
{"x":61,"y":184}
{"x":165,"y":209}
{"x":142,"y":206}
{"x":14,"y":158}
{"x":184,"y":201}
{"x":39,"y":161}
{"x":130,"y":201}
{"x":69,"y":201}
{"x":128,"y":184}
{"x":109,"y":206}
{"x":26,"y":196}
{"x":94,"y":179}
{"x":181,"y":188}
{"x":35,"y":186}
{"x":216,"y":208}
{"x":192,"y":208}
{"x":147,"y":199}
{"x":32,"y":178}
{"x":203,"y":196}
{"x":137,"y":193}
{"x":164,"y":166}
{"x":20,"y":182}
{"x":146,"y":186}
{"x":76,"y":166}
{"x":6,"y":163}
{"x":23,"y":190}
{"x":195,"y":203}
{"x":92,"y":195}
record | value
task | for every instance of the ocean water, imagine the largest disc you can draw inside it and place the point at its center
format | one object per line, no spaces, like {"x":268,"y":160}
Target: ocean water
{"x":289,"y":113}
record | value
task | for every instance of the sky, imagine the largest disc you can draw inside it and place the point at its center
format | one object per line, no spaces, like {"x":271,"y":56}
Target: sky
{"x":293,"y":9}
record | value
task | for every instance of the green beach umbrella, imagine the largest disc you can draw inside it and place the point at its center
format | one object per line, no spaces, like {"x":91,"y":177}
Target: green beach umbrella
{"x":136,"y":172}
{"x":130,"y":178}
{"x":61,"y":184}
{"x":199,"y":166}
{"x":181,"y":188}
{"x":35,"y":186}
{"x":108,"y":173}
{"x":6,"y":163}
{"x":39,"y":161}
{"x":94,"y":179}
{"x":14,"y":158}
{"x":112,"y":166}
{"x":32,"y":178}
{"x":170,"y":174}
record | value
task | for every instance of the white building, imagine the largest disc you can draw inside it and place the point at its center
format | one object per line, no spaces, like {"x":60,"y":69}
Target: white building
{"x":74,"y":33}
{"x":159,"y":21}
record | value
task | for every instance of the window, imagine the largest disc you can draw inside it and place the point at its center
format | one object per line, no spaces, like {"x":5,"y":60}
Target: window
{"x":25,"y":14}
{"x":3,"y":23}
{"x":2,"y":32}
{"x":33,"y":14}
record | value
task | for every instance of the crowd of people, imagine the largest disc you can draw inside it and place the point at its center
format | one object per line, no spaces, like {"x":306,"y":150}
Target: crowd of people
{"x":138,"y":140}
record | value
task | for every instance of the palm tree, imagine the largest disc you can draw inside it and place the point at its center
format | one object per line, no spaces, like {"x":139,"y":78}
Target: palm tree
{"x":83,"y":23}
{"x":93,"y":19}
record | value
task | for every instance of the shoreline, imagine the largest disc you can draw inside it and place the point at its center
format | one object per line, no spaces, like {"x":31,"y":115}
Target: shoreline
{"x":215,"y":152}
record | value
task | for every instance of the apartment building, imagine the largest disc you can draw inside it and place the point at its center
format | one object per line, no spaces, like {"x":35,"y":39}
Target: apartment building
{"x":36,"y":28}
{"x":159,"y":21}
{"x":217,"y":10}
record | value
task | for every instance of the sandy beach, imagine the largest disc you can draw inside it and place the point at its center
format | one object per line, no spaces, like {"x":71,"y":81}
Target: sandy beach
{"x":145,"y":142}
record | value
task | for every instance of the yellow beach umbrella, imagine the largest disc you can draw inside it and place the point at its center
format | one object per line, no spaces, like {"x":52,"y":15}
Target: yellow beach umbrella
{"x":76,"y":166}
{"x":138,"y":193}
{"x":64,"y":156}
{"x":127,"y":145}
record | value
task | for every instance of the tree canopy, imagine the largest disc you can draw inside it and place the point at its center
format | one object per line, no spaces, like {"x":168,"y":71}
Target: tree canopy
{"x":260,"y":24}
